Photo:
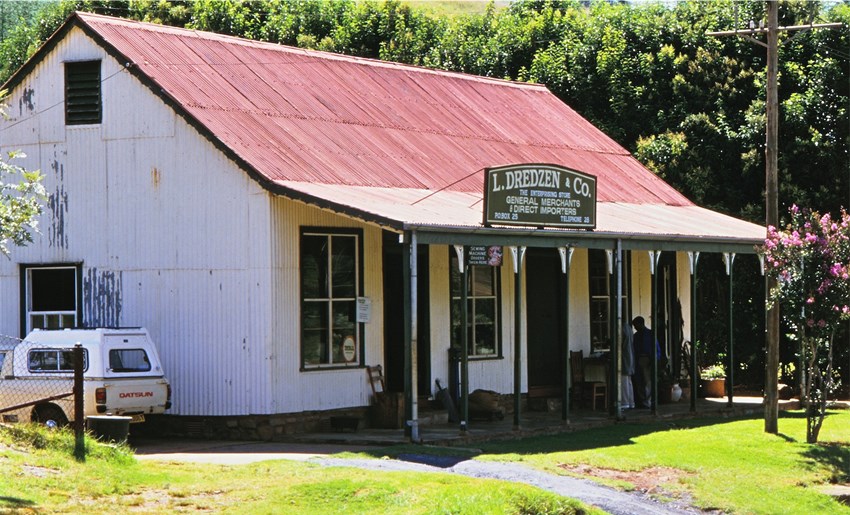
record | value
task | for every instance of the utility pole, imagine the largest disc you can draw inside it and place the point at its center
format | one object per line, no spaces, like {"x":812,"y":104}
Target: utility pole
{"x":771,"y":387}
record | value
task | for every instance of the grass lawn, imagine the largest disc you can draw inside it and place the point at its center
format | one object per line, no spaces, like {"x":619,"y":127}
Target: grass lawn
{"x":728,"y":465}
{"x":40,"y":475}
{"x":715,"y":463}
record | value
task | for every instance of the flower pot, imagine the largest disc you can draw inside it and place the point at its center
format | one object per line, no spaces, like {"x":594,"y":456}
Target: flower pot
{"x":675,"y":393}
{"x":713,"y":387}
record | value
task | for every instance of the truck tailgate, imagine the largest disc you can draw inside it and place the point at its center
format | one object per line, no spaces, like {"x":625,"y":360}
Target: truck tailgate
{"x":135,"y":395}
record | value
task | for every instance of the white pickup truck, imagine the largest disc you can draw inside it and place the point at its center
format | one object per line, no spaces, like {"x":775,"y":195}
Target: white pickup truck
{"x":122,"y":375}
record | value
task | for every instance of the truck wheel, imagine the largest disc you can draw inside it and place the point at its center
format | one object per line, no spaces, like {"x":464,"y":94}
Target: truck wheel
{"x":51,"y":416}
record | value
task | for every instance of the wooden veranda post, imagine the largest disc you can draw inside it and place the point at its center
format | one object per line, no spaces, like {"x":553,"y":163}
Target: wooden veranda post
{"x":518,"y":254}
{"x":460,"y":250}
{"x":693,"y":257}
{"x":729,"y":259}
{"x":566,"y":254}
{"x":616,"y":383}
{"x":653,"y":268}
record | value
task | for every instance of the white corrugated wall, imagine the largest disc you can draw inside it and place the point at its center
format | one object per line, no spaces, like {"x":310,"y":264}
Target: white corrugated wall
{"x":170,"y":234}
{"x":293,"y":389}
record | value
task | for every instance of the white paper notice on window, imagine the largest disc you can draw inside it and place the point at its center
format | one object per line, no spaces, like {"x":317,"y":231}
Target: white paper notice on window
{"x":364,"y":309}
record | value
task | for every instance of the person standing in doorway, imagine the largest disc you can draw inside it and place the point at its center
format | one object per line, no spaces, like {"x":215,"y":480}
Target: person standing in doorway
{"x":627,"y":369}
{"x":644,"y":341}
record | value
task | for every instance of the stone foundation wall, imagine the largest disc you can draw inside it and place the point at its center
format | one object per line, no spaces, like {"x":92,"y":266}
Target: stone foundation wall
{"x":252,"y":427}
{"x":280,"y":427}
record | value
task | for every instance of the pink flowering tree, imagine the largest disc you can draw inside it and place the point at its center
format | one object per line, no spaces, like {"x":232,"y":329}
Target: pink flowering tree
{"x":810,"y":259}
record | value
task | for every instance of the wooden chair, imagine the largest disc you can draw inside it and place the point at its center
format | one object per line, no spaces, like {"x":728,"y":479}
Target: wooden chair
{"x":387,"y":407}
{"x":376,"y":379}
{"x":581,"y":389}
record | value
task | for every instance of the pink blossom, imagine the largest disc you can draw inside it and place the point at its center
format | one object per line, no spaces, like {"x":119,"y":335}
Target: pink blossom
{"x":810,"y":300}
{"x":821,"y":324}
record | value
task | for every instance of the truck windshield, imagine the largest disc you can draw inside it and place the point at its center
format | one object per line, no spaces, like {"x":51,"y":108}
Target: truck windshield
{"x":129,"y":360}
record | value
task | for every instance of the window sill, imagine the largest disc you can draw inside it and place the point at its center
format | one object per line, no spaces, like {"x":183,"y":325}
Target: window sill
{"x":324,"y":368}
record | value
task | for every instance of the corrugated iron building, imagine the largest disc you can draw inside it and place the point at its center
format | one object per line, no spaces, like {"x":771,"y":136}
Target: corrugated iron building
{"x":194,"y":178}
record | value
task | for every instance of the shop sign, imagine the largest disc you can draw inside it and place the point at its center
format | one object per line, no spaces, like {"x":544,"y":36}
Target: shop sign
{"x":539,"y":195}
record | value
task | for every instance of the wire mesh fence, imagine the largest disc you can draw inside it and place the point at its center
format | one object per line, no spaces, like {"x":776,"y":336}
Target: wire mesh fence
{"x":36,"y":382}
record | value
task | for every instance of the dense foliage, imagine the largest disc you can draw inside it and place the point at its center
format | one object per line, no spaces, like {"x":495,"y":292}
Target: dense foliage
{"x":690,"y":106}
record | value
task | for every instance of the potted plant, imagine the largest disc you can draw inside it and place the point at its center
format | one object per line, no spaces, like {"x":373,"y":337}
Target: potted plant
{"x":713,"y":381}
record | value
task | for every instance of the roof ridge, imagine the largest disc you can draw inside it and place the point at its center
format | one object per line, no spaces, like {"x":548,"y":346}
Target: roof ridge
{"x":318,"y":54}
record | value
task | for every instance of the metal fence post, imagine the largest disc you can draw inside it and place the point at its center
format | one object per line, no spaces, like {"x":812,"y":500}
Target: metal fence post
{"x":79,"y":434}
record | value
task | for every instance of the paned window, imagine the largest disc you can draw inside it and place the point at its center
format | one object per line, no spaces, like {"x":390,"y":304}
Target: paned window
{"x":330,"y":285}
{"x":483,"y":300}
{"x":600,"y":299}
{"x":52,"y":297}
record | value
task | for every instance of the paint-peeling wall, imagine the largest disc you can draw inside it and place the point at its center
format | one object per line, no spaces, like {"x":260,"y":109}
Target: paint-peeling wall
{"x":169,"y":234}
{"x":57,"y":204}
{"x":26,"y":103}
{"x":102,"y":298}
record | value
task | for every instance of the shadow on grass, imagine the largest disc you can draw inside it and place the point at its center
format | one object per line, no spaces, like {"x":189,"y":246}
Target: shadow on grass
{"x":836,"y":457}
{"x":598,"y":437}
{"x":608,"y":436}
{"x":15,"y":502}
{"x":833,"y":456}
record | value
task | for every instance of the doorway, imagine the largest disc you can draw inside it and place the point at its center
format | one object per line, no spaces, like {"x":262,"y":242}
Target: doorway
{"x":394,"y":317}
{"x":545,"y":324}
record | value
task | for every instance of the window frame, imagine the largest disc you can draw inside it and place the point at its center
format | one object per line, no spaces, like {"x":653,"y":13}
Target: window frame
{"x":472,"y":298}
{"x":116,"y":353}
{"x":603,"y":296}
{"x":359,"y":327}
{"x":73,"y":70}
{"x":59,"y":360}
{"x":26,"y":296}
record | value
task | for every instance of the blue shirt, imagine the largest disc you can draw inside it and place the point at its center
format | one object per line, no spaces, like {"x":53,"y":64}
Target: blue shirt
{"x":643,"y":343}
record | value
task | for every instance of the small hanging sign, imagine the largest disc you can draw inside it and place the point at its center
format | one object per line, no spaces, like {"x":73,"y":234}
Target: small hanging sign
{"x":364,"y":309}
{"x":485,"y":255}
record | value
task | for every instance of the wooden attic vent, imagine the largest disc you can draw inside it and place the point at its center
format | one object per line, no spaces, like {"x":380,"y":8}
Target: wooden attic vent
{"x":82,"y":93}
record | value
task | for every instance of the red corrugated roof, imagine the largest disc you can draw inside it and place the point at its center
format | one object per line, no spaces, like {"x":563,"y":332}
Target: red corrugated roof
{"x":293,"y":115}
